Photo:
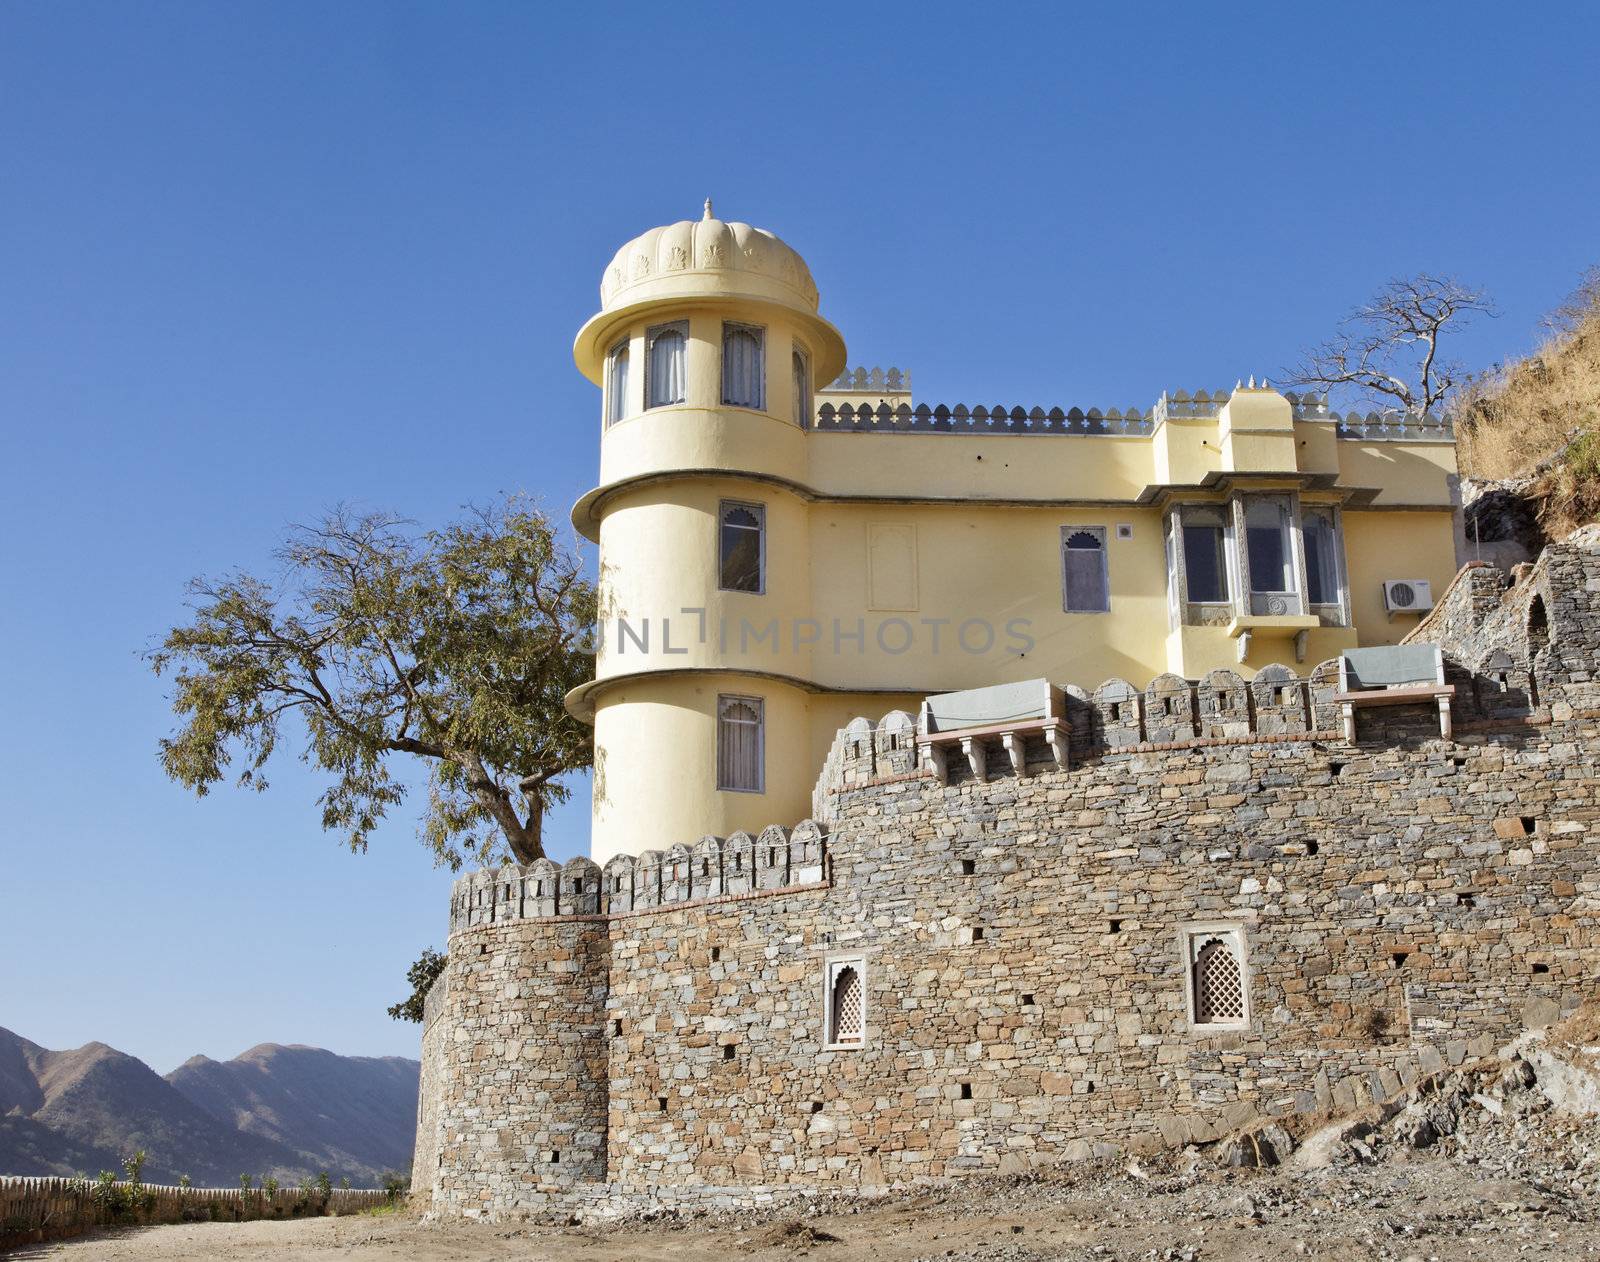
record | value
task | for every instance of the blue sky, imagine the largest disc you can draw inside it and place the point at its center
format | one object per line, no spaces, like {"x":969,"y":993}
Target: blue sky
{"x":258,"y":259}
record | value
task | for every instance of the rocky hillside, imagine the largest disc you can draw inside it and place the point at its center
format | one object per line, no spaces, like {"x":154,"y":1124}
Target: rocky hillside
{"x":343,"y":1112}
{"x":278,"y":1111}
{"x":1529,"y":437}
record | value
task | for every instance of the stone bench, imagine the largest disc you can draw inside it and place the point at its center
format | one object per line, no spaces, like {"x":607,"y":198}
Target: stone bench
{"x":1399,"y":674}
{"x":1010,"y":712}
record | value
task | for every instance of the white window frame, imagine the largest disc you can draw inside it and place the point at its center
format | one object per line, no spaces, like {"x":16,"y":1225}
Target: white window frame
{"x":760,"y":511}
{"x":616,"y":402}
{"x":800,"y":358}
{"x":1182,"y":517}
{"x":729,"y":326}
{"x":680,"y":327}
{"x":724,"y":700}
{"x":833,"y":965}
{"x":1105,"y":566}
{"x":1192,"y":939}
{"x":1336,"y":520}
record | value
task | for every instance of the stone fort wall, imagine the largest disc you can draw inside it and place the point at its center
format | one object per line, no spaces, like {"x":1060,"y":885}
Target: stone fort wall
{"x":657,"y":1028}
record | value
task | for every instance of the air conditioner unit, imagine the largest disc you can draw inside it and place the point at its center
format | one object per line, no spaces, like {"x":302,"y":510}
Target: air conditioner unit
{"x":1407,"y":595}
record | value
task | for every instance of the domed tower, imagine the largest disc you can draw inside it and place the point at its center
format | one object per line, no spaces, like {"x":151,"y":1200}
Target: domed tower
{"x":707,"y":348}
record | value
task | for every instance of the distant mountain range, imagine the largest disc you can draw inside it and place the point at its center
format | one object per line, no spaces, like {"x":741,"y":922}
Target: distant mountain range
{"x":275,"y":1110}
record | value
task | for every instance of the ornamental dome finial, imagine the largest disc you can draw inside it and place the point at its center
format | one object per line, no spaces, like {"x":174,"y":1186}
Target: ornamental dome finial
{"x":708,"y":214}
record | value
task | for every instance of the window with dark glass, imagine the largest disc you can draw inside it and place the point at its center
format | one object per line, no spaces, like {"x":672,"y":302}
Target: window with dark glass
{"x":1205,"y":560}
{"x":741,"y":547}
{"x":1266,"y":528}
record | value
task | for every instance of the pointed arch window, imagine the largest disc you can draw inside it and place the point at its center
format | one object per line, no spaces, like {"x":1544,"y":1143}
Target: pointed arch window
{"x":845,"y":1003}
{"x":1086,"y":581}
{"x":617,"y":384}
{"x":742,"y":547}
{"x":743,"y":371}
{"x":740,"y":744}
{"x":665,"y":349}
{"x":802,"y":389}
{"x":1218,"y":986}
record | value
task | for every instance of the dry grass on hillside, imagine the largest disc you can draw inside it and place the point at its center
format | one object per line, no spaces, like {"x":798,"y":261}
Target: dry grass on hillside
{"x":1516,"y":420}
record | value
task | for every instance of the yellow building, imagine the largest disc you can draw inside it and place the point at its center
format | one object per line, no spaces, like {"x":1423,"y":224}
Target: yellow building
{"x":777,"y":558}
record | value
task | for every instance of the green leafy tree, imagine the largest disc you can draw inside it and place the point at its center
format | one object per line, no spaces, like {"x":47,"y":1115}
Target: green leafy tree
{"x":420,"y":976}
{"x":454,"y":647}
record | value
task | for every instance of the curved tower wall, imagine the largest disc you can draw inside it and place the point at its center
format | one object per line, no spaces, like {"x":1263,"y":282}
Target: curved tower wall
{"x":673,"y":642}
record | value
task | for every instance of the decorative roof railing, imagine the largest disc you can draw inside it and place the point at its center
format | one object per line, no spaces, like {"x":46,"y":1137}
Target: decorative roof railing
{"x":1131,"y":422}
{"x":979,"y":420}
{"x":889,"y":380}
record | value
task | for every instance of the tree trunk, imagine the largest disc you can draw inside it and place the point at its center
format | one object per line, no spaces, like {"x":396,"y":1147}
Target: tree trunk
{"x":528,"y":842}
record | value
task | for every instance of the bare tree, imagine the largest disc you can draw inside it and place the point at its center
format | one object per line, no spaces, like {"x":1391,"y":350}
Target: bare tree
{"x":1388,"y":348}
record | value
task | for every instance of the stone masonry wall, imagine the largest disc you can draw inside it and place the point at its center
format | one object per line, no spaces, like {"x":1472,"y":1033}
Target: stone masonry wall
{"x":1405,"y":902}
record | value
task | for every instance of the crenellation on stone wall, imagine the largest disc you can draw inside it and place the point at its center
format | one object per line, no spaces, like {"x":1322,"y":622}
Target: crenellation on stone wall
{"x":710,"y":869}
{"x":1398,"y":904}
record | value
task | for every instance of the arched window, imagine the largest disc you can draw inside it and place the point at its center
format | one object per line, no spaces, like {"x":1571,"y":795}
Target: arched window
{"x":1538,"y":626}
{"x":802,"y":390}
{"x":665,"y":349}
{"x":743,"y":374}
{"x":1217,"y":991}
{"x":617,"y":384}
{"x":741,"y":547}
{"x":740,"y":761}
{"x":1085,"y":580}
{"x":847,"y":1007}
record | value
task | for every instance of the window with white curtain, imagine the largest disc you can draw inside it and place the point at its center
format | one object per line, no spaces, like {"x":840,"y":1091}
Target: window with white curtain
{"x":1086,"y":581}
{"x":617,"y":384}
{"x":741,"y":547}
{"x":743,"y":374}
{"x":1320,"y":533}
{"x":1266,"y":528}
{"x":665,"y":349}
{"x":740,"y":761}
{"x":802,"y":389}
{"x":1205,"y":556}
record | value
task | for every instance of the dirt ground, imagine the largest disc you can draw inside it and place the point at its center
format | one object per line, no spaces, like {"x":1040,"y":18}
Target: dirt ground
{"x":1424,"y":1208}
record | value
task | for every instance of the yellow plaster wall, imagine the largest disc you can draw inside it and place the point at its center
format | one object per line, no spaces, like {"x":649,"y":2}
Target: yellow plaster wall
{"x":1388,"y":545}
{"x":655,"y":779}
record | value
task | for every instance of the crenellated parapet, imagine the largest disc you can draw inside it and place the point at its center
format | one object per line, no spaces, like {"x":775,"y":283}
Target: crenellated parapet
{"x":1170,"y":713}
{"x":713,"y":867}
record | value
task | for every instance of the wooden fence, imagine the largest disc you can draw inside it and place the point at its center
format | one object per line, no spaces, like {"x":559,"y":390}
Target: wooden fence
{"x":36,"y":1210}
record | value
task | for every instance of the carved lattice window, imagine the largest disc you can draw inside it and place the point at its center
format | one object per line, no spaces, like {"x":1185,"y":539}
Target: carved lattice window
{"x":1217,"y":991}
{"x":847,"y":1003}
